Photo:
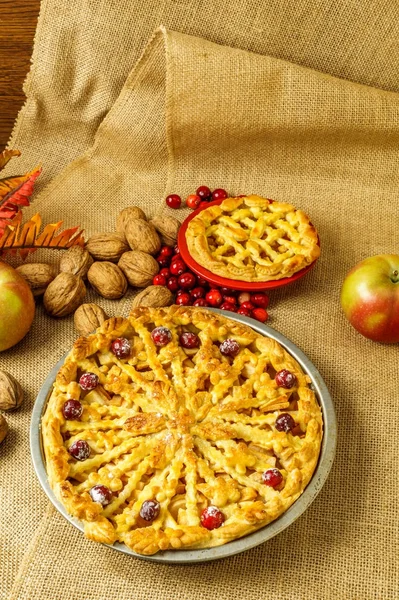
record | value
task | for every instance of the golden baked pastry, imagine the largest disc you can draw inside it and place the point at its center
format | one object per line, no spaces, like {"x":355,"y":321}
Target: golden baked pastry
{"x":252,"y":239}
{"x":179,"y":428}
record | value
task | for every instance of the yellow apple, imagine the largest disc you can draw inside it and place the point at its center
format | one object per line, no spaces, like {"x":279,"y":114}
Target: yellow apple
{"x":17,"y":307}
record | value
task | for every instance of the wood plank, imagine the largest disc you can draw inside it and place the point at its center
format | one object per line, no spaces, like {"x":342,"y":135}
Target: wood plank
{"x":18,"y":19}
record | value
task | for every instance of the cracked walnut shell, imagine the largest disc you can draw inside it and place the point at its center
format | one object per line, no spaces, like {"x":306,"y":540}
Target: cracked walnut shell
{"x":107,"y":246}
{"x":38,"y":276}
{"x":88,"y":317}
{"x":11,"y":394}
{"x":142,"y":236}
{"x":76,"y":260}
{"x":107,"y":279}
{"x":64,"y":295}
{"x":139,"y":267}
{"x":154,"y":296}
{"x":167,"y":228}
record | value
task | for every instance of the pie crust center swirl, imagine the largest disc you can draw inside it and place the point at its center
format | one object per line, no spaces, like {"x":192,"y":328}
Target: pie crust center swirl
{"x":159,"y":445}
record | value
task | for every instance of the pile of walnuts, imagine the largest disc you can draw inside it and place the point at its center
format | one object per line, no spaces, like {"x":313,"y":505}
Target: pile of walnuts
{"x":110,"y":262}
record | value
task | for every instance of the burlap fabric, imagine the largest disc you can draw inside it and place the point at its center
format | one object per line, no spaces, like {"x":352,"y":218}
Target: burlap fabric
{"x":194,"y":112}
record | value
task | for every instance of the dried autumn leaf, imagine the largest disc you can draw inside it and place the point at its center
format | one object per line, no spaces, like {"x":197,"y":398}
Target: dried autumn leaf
{"x":14,"y":194}
{"x":6,"y":155}
{"x":27,"y":238}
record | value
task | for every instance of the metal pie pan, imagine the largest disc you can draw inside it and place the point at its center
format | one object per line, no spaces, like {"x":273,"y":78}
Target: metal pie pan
{"x":251,"y":540}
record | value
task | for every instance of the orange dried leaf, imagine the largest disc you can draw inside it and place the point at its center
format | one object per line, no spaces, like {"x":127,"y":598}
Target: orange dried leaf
{"x":27,"y":238}
{"x":6,"y":155}
{"x":14,"y":194}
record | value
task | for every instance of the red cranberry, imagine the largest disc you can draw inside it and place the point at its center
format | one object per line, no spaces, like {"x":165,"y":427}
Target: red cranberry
{"x":193,"y":201}
{"x":198,"y":292}
{"x":189,"y":340}
{"x":161,"y":336}
{"x":229,"y":347}
{"x":200,"y":302}
{"x":100,"y":493}
{"x":88,"y":381}
{"x":260,"y":300}
{"x":244,"y":297}
{"x":228,"y":292}
{"x":285,"y":422}
{"x":214,"y":298}
{"x":183,"y":299}
{"x":247,"y":305}
{"x":176,"y":249}
{"x":79,"y":450}
{"x":164,"y":272}
{"x":228,"y":306}
{"x":159,"y":280}
{"x":285,"y":379}
{"x":121,"y":347}
{"x":260,"y":314}
{"x":244,"y":311}
{"x":176,"y":257}
{"x":163,"y":262}
{"x":272,"y":477}
{"x":150,"y":510}
{"x":72,"y":410}
{"x":201,"y":281}
{"x":212,"y":518}
{"x":204,"y":192}
{"x":230,"y":299}
{"x":166,"y":252}
{"x":219,"y":194}
{"x":177,"y":267}
{"x":203,"y":204}
{"x":173,"y":201}
{"x":187,"y":281}
{"x":180,"y":291}
{"x":172,"y":284}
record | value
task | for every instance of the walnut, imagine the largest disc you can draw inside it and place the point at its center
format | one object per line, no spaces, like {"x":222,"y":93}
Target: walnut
{"x":88,"y":317}
{"x":142,"y":236}
{"x":3,"y":428}
{"x":131,"y":212}
{"x":11,"y":393}
{"x":107,"y":246}
{"x":107,"y":279}
{"x":37,"y":276}
{"x":64,"y":294}
{"x":154,"y":296}
{"x":167,"y":228}
{"x":139,"y":267}
{"x":76,"y":260}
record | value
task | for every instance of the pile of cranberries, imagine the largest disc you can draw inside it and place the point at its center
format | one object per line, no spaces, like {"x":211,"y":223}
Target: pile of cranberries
{"x":200,"y":199}
{"x":192,"y":290}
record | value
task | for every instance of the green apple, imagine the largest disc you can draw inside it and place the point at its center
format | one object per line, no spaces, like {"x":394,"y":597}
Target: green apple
{"x":17,"y":307}
{"x":370,"y":298}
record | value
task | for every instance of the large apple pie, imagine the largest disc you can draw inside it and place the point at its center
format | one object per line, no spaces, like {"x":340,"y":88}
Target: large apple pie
{"x":252,"y":239}
{"x":179,"y":428}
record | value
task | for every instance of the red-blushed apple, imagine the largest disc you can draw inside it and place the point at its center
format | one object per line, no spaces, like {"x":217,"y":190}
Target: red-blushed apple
{"x":370,"y":298}
{"x":17,"y":307}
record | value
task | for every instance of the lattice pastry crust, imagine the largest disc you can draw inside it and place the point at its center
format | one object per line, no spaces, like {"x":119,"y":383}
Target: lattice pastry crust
{"x":185,"y":428}
{"x":252,"y":239}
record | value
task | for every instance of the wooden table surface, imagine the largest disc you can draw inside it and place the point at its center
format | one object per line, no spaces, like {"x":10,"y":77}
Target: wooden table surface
{"x":18,"y":19}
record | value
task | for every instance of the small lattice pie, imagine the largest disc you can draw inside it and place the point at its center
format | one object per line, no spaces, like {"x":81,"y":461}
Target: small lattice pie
{"x":252,"y":239}
{"x":178,"y":428}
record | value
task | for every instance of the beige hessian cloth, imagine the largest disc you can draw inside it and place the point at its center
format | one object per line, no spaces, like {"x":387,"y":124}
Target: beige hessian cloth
{"x":195,"y":112}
